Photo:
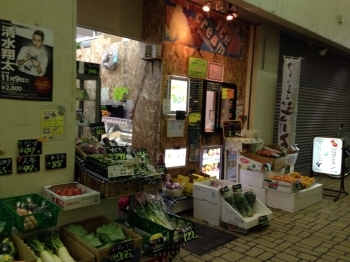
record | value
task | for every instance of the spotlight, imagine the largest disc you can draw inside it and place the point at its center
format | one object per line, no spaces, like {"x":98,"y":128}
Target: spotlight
{"x":231,"y":13}
{"x":206,"y":7}
{"x":323,"y":52}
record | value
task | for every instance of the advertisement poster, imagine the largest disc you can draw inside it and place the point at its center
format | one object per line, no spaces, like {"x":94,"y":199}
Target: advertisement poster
{"x":211,"y":161}
{"x":289,"y":101}
{"x":188,"y":25}
{"x":52,"y":125}
{"x":178,"y":94}
{"x":232,"y":148}
{"x":26,"y":62}
{"x":327,"y":155}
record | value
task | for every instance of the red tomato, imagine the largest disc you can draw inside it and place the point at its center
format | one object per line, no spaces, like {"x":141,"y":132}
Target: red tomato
{"x":70,"y":193}
{"x":62,"y":193}
{"x":57,"y":191}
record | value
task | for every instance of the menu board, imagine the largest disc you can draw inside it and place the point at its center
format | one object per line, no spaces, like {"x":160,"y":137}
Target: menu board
{"x":327,"y":155}
{"x":232,"y":128}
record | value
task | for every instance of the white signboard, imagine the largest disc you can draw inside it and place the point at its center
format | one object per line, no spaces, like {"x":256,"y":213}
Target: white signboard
{"x":327,"y":155}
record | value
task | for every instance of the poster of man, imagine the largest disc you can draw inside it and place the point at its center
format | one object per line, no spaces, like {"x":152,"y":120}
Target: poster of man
{"x":26,"y":62}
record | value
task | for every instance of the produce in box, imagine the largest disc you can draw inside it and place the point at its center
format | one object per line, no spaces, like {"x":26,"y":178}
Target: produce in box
{"x":8,"y":251}
{"x":294,"y":177}
{"x":243,"y":203}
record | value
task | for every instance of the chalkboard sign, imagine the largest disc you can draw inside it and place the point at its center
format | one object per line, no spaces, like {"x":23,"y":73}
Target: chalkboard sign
{"x":121,"y":252}
{"x":237,"y":188}
{"x":213,"y":86}
{"x":156,"y":244}
{"x":86,"y":68}
{"x":29,"y":147}
{"x":232,"y":128}
{"x":5,"y":166}
{"x":117,"y":152}
{"x":263,"y":221}
{"x":55,"y":161}
{"x":187,"y":233}
{"x":97,"y":129}
{"x":27,"y":164}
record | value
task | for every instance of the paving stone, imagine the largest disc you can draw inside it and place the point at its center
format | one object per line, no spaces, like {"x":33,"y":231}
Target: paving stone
{"x":267,"y":244}
{"x":254,"y":252}
{"x":294,"y":232}
{"x":307,"y":257}
{"x":240,"y":245}
{"x":278,"y":241}
{"x":233,"y":256}
{"x":250,"y":259}
{"x":251,"y":243}
{"x":327,"y":245}
{"x":207,"y":257}
{"x":304,"y":249}
{"x":191,"y":258}
{"x":291,"y":252}
{"x":265,"y":255}
{"x":312,"y":243}
{"x":286,"y":257}
{"x":219,"y":252}
{"x":321,"y":249}
{"x":340,"y":252}
{"x":219,"y":259}
{"x":293,"y":239}
{"x":338,"y":256}
{"x":322,"y":235}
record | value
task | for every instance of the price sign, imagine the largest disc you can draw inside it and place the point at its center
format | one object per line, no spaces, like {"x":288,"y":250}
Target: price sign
{"x":142,"y":154}
{"x":5,"y":166}
{"x":27,"y":164}
{"x":117,"y":152}
{"x":29,"y":147}
{"x":224,"y":191}
{"x":97,"y":129}
{"x":121,"y":252}
{"x":160,"y":168}
{"x":263,"y":221}
{"x":298,"y":185}
{"x":237,"y":188}
{"x":156,"y":243}
{"x":187,"y":233}
{"x":56,"y":161}
{"x":232,"y":128}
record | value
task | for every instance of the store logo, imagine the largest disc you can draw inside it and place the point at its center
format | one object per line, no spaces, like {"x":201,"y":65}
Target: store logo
{"x":244,"y":160}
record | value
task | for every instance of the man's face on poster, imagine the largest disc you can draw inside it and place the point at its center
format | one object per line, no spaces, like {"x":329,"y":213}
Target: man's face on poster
{"x":37,"y":41}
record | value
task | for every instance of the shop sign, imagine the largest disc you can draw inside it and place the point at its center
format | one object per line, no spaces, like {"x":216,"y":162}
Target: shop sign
{"x":26,"y":62}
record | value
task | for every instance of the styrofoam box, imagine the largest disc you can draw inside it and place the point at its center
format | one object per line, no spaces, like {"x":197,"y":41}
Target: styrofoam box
{"x":278,"y":185}
{"x":205,"y":211}
{"x":231,"y":216}
{"x":87,"y":198}
{"x":293,"y":202}
{"x":179,"y":207}
{"x":252,"y":178}
{"x":204,"y":191}
{"x":255,"y":162}
{"x":260,"y":193}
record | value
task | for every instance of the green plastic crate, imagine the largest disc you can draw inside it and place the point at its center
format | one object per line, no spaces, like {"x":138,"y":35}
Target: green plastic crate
{"x":36,"y":220}
{"x":6,"y":221}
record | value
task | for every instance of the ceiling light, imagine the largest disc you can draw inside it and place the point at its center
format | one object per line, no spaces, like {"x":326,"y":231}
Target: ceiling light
{"x":231,"y":12}
{"x":206,"y":7}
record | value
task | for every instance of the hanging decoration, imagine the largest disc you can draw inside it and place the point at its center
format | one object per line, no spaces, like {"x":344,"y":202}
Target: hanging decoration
{"x":110,"y":59}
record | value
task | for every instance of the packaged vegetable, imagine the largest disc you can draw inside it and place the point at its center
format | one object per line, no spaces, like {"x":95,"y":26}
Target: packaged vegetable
{"x":250,"y":197}
{"x":243,"y":205}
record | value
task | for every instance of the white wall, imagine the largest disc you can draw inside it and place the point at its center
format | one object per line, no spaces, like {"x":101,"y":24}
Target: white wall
{"x":264,"y":82}
{"x":21,"y":119}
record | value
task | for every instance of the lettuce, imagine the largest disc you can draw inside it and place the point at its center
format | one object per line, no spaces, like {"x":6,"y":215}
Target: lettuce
{"x":112,"y":231}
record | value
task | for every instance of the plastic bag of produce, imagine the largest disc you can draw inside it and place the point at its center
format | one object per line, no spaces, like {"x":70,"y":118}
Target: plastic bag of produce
{"x":250,"y":197}
{"x":243,"y":205}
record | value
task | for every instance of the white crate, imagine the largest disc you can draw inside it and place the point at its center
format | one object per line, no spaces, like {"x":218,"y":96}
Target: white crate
{"x":204,"y":191}
{"x":278,"y":185}
{"x":179,"y":207}
{"x":255,"y":162}
{"x":260,"y":193}
{"x":252,"y":178}
{"x":231,"y":216}
{"x":293,"y":202}
{"x":208,"y":212}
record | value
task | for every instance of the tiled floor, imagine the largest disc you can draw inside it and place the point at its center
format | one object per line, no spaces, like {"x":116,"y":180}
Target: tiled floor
{"x":318,"y":233}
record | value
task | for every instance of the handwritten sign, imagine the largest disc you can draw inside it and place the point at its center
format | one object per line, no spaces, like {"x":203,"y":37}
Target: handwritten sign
{"x":117,"y":152}
{"x":27,"y":164}
{"x":175,"y":128}
{"x":263,"y":221}
{"x":97,"y":129}
{"x":55,"y":161}
{"x":187,"y":233}
{"x":215,"y":71}
{"x":121,"y":252}
{"x":29,"y":147}
{"x":156,"y":244}
{"x":232,"y":128}
{"x":197,"y":67}
{"x":5,"y":166}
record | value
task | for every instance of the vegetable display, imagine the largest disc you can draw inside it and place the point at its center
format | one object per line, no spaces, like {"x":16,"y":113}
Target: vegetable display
{"x":243,"y":203}
{"x":8,"y":251}
{"x":294,"y":177}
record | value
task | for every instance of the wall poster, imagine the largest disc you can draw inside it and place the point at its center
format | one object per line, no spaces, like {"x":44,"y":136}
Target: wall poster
{"x":26,"y":62}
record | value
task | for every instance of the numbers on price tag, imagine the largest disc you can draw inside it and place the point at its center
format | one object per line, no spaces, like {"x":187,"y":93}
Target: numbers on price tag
{"x":263,"y":221}
{"x":5,"y":166}
{"x":187,"y":233}
{"x":56,"y":161}
{"x":29,"y":147}
{"x":27,"y":164}
{"x":121,"y":252}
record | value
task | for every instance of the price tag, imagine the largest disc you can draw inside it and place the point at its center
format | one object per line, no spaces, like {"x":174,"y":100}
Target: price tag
{"x":121,"y":252}
{"x":97,"y":129}
{"x":5,"y":166}
{"x":224,"y":191}
{"x":117,"y":152}
{"x":156,"y":243}
{"x":187,"y":233}
{"x":142,"y":154}
{"x":298,"y":185}
{"x":237,"y":188}
{"x":29,"y":147}
{"x":160,"y":168}
{"x":27,"y":164}
{"x":263,"y":221}
{"x":56,"y":161}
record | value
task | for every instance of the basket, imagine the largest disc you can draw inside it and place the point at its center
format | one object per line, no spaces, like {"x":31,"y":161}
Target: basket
{"x":36,"y":220}
{"x":6,"y":221}
{"x":172,"y":193}
{"x":109,"y":189}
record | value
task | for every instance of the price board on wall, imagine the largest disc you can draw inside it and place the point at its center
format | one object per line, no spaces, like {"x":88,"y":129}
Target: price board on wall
{"x":56,"y":161}
{"x":29,"y":147}
{"x":5,"y":166}
{"x":28,"y":164}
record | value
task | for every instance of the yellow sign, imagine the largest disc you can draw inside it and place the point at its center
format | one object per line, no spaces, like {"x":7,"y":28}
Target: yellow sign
{"x":194,"y":118}
{"x":228,"y":93}
{"x":197,"y":67}
{"x":52,"y":125}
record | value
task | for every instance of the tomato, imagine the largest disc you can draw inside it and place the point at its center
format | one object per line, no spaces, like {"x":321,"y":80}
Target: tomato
{"x":62,"y":193}
{"x":57,"y":191}
{"x":70,"y":193}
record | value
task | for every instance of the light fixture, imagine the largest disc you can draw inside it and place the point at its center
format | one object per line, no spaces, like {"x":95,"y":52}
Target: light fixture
{"x":206,"y":7}
{"x":231,"y":12}
{"x":323,"y":52}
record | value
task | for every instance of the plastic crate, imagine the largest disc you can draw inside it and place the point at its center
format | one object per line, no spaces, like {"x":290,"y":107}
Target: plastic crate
{"x":6,"y":221}
{"x":35,"y":220}
{"x":146,"y":226}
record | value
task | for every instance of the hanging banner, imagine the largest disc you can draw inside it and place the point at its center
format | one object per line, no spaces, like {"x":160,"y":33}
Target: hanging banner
{"x":26,"y":62}
{"x":289,"y":101}
{"x":187,"y":24}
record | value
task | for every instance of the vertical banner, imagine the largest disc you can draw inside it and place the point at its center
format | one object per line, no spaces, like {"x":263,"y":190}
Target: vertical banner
{"x":26,"y":62}
{"x":289,"y":101}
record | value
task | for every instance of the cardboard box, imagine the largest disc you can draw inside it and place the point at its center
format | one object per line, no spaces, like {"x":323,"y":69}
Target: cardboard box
{"x":208,"y":212}
{"x":277,"y":185}
{"x":260,"y":193}
{"x":91,"y":224}
{"x":204,"y":191}
{"x":252,"y":178}
{"x":188,"y":180}
{"x":280,"y":162}
{"x":255,"y":162}
{"x":295,"y":201}
{"x":23,"y":251}
{"x":231,"y":216}
{"x":77,"y":251}
{"x":89,"y":196}
{"x":291,"y":158}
